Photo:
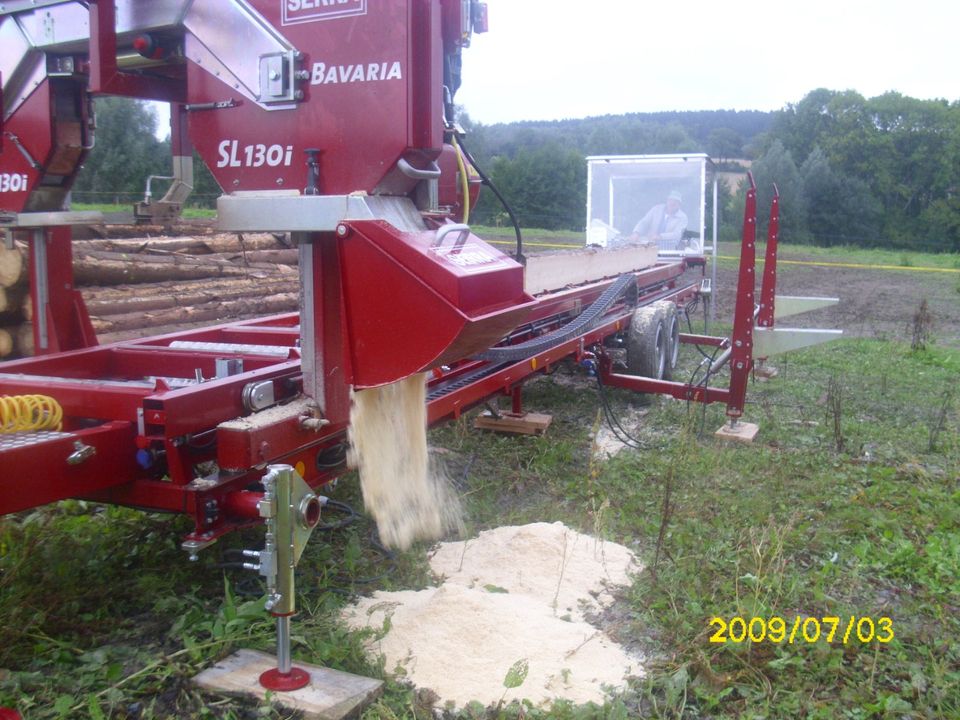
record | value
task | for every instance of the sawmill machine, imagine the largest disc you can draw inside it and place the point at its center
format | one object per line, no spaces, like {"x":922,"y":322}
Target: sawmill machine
{"x":331,"y":120}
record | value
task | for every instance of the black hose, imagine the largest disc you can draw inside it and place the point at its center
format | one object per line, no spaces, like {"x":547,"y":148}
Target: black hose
{"x":518,"y":256}
{"x":351,"y":516}
{"x":613,"y":422}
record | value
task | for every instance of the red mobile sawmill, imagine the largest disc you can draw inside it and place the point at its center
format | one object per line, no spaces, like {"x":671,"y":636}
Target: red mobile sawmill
{"x":333,"y":122}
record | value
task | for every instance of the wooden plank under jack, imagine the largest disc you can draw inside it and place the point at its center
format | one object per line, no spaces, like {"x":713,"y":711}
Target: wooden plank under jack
{"x":520,"y":423}
{"x":741,"y":432}
{"x":331,"y":694}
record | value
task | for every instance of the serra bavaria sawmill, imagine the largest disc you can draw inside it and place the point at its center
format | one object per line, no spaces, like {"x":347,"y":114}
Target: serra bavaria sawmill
{"x":332,"y":121}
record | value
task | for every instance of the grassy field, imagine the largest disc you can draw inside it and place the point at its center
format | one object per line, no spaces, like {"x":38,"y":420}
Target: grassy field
{"x":866,"y":256}
{"x":111,"y":208}
{"x":848,"y":505}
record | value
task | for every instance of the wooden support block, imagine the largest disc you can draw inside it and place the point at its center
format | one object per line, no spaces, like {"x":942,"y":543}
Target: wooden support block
{"x":523,"y":423}
{"x":741,"y":432}
{"x":331,"y":694}
{"x":766,"y":372}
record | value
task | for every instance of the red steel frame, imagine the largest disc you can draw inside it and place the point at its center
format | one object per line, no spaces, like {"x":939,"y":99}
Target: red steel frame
{"x":124,"y":398}
{"x":143,"y":418}
{"x":738,"y":349}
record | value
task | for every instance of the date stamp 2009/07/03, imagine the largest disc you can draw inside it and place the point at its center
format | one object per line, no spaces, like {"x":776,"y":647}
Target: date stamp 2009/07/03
{"x":776,"y":630}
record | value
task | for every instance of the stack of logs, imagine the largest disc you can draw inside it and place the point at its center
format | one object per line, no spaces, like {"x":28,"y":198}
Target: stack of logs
{"x":135,"y":287}
{"x":15,"y":334}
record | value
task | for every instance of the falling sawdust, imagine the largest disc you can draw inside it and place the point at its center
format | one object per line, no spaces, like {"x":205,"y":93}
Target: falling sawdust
{"x":408,"y":496}
{"x":511,"y":594}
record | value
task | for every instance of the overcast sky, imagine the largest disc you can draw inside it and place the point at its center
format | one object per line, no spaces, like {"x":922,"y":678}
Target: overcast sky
{"x":552,"y":59}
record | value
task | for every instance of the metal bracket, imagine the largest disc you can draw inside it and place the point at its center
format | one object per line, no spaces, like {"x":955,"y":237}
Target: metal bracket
{"x":279,"y":76}
{"x":258,"y":395}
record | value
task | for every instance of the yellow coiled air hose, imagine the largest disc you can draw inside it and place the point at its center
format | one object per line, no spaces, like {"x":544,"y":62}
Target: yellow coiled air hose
{"x":29,"y":413}
{"x":464,"y":180}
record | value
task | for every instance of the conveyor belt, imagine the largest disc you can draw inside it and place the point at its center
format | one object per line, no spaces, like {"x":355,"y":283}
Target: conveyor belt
{"x":502,"y":357}
{"x":462,"y":381}
{"x":576,"y":327}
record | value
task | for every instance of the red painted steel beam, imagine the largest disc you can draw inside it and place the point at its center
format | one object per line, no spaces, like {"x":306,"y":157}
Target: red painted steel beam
{"x":39,"y":474}
{"x":708,"y":340}
{"x":99,"y":401}
{"x":264,"y":443}
{"x":741,"y":357}
{"x":200,"y":407}
{"x":681,"y":391}
{"x":768,"y":289}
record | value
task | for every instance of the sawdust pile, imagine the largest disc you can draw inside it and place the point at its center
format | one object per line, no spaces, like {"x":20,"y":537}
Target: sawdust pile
{"x":512,"y":594}
{"x":407,"y":495}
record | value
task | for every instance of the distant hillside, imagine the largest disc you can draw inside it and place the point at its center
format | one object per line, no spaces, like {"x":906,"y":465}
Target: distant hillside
{"x":721,"y":133}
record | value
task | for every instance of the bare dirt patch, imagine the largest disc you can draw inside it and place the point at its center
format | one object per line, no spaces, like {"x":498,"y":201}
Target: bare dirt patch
{"x":874,"y":303}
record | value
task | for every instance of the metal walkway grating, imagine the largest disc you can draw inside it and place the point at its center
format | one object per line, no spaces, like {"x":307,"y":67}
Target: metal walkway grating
{"x":14,"y":441}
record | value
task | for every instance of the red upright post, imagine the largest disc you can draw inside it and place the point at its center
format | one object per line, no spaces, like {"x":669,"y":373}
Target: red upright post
{"x":60,"y":320}
{"x":741,"y":356}
{"x":769,"y":287}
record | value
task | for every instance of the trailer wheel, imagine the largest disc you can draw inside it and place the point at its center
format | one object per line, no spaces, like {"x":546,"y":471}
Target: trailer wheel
{"x":671,"y":324}
{"x":647,"y":343}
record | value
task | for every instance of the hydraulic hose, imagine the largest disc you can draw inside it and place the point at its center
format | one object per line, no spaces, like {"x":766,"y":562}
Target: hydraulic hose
{"x":506,"y":206}
{"x":464,"y":180}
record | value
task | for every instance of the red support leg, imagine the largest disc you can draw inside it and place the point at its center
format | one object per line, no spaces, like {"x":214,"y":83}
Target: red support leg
{"x":60,"y":319}
{"x":768,"y":289}
{"x":741,"y":357}
{"x":516,"y":397}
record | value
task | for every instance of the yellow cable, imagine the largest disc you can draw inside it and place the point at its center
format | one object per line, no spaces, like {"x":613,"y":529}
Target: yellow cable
{"x":29,"y":413}
{"x":464,"y":181}
{"x":858,"y":266}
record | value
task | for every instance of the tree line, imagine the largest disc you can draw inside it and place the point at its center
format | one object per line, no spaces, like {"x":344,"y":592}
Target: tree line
{"x":882,"y":171}
{"x":126,"y":152}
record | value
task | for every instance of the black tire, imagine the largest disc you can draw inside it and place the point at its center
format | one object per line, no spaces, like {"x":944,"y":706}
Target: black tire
{"x":647,"y":343}
{"x":671,"y":324}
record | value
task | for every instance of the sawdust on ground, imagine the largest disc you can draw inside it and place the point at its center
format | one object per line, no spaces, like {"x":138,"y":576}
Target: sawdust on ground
{"x":511,"y":595}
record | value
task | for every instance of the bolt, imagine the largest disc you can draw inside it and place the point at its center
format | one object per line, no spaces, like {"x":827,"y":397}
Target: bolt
{"x":274,"y":75}
{"x":342,"y":230}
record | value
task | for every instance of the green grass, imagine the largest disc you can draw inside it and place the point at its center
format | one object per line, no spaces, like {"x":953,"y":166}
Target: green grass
{"x":188,"y":212}
{"x":506,"y":232}
{"x":855,"y":255}
{"x":102,"y":616}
